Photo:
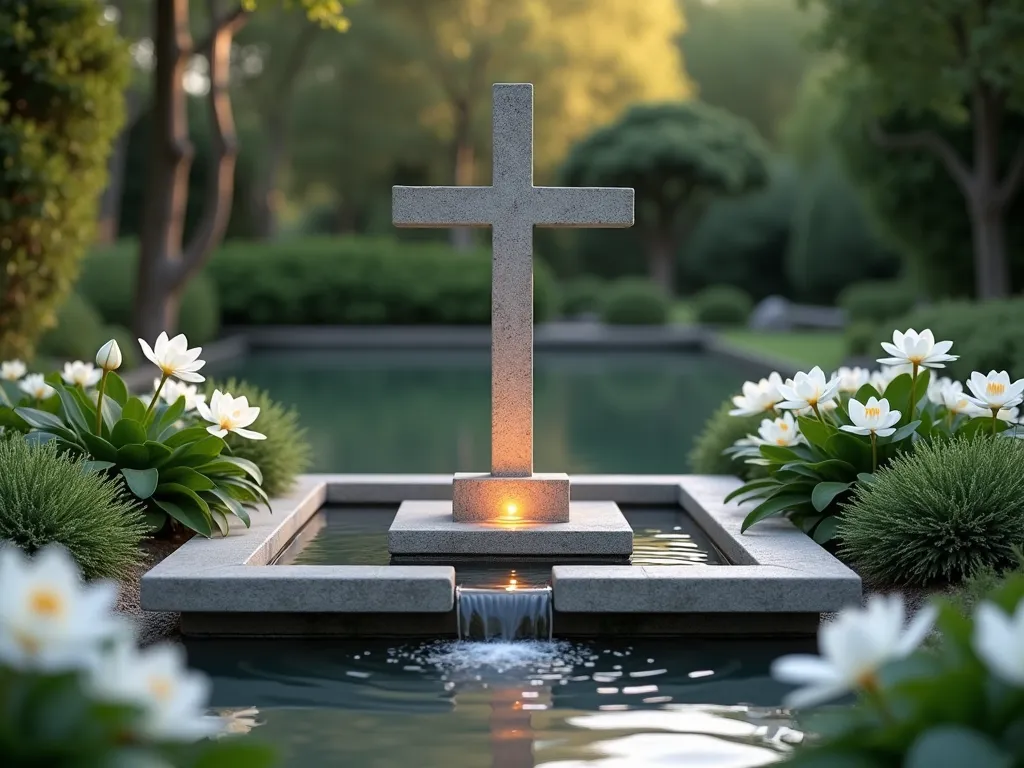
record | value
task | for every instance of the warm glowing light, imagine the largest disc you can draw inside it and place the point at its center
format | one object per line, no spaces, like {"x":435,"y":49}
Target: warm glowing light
{"x":512,"y":584}
{"x":511,"y":509}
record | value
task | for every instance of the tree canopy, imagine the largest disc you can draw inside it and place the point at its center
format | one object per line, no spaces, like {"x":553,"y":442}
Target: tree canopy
{"x":678,"y":157}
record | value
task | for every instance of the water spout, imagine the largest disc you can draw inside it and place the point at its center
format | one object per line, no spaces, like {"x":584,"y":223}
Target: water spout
{"x":508,"y":614}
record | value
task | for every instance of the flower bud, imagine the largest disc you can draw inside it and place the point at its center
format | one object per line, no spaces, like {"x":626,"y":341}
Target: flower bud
{"x":109,"y":357}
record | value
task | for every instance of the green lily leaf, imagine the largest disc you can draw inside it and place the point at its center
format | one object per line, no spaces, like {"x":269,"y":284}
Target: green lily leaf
{"x":235,"y":462}
{"x":72,"y":411}
{"x":134,"y":456}
{"x":188,"y":477}
{"x":127,"y":432}
{"x":99,"y":448}
{"x":135,"y":410}
{"x":825,"y":493}
{"x":168,"y":416}
{"x":753,"y":485}
{"x":154,"y":520}
{"x":954,"y":746}
{"x":185,"y":436}
{"x":220,"y":520}
{"x":865,"y":393}
{"x":192,"y":516}
{"x":982,"y":425}
{"x":41,"y":419}
{"x":773,"y":506}
{"x":817,"y":432}
{"x":115,"y":389}
{"x":902,"y":433}
{"x":97,"y":466}
{"x":825,"y":531}
{"x":233,"y":504}
{"x":143,"y":482}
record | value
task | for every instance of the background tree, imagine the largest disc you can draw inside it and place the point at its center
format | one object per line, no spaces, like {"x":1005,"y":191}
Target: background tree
{"x":63,"y":68}
{"x":957,"y":62}
{"x":761,"y":84}
{"x":454,"y":50}
{"x":166,"y":263}
{"x":678,"y":157}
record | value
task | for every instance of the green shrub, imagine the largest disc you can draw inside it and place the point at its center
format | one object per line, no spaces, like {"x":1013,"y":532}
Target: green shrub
{"x":50,"y":498}
{"x":987,"y":336}
{"x":719,"y":433}
{"x":722,"y":305}
{"x":108,"y":282}
{"x":876,"y":301}
{"x":285,"y":453}
{"x":582,"y":295}
{"x":635,"y":301}
{"x":78,"y":333}
{"x":63,"y":72}
{"x":360,"y":280}
{"x":984,"y":581}
{"x":938,"y":514}
{"x":863,"y":338}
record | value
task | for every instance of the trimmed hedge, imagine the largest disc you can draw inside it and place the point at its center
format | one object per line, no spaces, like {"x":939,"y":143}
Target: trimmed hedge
{"x":721,"y":431}
{"x":78,"y":333}
{"x":877,"y":301}
{"x":360,"y":280}
{"x":583,"y":294}
{"x":722,"y":305}
{"x":635,"y":301}
{"x":107,"y":281}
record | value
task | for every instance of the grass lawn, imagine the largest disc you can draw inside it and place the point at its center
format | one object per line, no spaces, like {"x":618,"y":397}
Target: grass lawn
{"x":804,"y":348}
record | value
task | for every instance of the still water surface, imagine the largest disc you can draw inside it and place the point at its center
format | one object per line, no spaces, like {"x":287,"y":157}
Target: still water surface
{"x":430,"y":411}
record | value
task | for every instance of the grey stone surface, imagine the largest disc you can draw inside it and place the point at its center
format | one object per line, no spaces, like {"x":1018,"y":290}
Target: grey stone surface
{"x":233,"y":574}
{"x":776,"y":313}
{"x":512,"y":206}
{"x":426,"y":528}
{"x":539,"y":498}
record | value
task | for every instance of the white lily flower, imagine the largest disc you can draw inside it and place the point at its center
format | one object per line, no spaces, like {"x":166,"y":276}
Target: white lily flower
{"x":172,"y":390}
{"x":809,"y":390}
{"x":109,"y":357}
{"x":852,"y":379}
{"x":49,"y":619}
{"x":230,"y":414}
{"x":995,"y":391}
{"x":917,"y":349}
{"x":783,"y":431}
{"x":84,"y":375}
{"x":758,"y":397}
{"x":873,"y":416}
{"x":156,"y":679}
{"x":34,"y":385}
{"x":1009,"y":415}
{"x":854,"y":647}
{"x":239,"y":721}
{"x":12,"y":370}
{"x":999,"y":641}
{"x":950,"y":395}
{"x":174,"y":358}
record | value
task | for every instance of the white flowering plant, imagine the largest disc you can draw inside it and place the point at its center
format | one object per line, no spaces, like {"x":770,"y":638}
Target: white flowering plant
{"x":821,"y":436}
{"x":75,"y":689}
{"x":168,"y":447}
{"x":956,"y":702}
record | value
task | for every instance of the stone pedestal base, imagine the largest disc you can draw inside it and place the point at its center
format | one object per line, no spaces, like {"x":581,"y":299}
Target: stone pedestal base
{"x":596,"y":528}
{"x":539,"y":498}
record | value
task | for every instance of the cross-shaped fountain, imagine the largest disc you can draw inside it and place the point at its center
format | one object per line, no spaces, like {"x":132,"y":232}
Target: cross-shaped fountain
{"x":512,"y":207}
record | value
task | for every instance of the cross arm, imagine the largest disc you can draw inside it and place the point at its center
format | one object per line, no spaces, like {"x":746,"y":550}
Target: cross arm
{"x":441,"y":206}
{"x":596,"y":207}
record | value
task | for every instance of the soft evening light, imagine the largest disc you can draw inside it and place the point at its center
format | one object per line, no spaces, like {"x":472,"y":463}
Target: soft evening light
{"x":511,"y":509}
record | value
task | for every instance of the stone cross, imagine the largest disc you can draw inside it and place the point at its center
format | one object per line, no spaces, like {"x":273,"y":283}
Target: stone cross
{"x":512,"y":206}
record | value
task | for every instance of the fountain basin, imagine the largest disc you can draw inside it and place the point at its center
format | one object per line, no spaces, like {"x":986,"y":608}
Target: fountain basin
{"x":774,"y":580}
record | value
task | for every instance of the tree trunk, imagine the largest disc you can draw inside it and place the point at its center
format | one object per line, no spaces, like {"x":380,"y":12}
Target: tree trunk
{"x":991,"y":265}
{"x":465,"y":167}
{"x":163,"y":214}
{"x":110,"y":204}
{"x":266,"y":195}
{"x":661,"y":261}
{"x":165,"y":266}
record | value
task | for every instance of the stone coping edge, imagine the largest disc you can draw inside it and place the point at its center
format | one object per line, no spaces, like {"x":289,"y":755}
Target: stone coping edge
{"x":775,"y":567}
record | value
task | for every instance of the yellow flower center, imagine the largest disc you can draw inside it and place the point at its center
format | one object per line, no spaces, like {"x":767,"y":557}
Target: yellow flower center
{"x":29,"y":643}
{"x":916,"y":359}
{"x":227,"y":423}
{"x":161,"y":688}
{"x":873,"y":413}
{"x":781,"y":441}
{"x":783,"y":426}
{"x":867,"y":681}
{"x":46,"y":602}
{"x":995,"y":388}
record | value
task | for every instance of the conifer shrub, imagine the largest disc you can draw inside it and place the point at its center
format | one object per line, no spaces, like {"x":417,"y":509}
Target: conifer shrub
{"x":939,"y":514}
{"x":47,"y":497}
{"x":719,"y":433}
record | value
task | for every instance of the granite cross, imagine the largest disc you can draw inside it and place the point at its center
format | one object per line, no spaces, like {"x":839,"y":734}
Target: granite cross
{"x":512,"y":206}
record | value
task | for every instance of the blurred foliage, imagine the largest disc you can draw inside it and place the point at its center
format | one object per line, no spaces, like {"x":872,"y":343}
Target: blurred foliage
{"x":762,"y":84}
{"x":878,"y":301}
{"x":360,"y":280}
{"x":986,"y":336}
{"x":635,"y":301}
{"x":744,"y":241}
{"x":722,"y":305}
{"x":582,"y":295}
{"x":78,"y":333}
{"x":108,"y":283}
{"x":721,"y":431}
{"x":677,"y":157}
{"x":62,"y":73}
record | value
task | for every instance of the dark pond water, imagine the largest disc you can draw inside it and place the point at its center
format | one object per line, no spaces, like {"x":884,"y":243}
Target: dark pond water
{"x":505,"y":705}
{"x":430,"y":411}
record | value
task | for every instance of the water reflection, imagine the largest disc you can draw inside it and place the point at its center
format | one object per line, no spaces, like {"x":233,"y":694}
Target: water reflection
{"x":508,"y":705}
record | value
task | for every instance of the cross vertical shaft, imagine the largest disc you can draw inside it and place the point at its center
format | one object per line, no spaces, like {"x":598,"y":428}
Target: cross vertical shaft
{"x":512,"y":285}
